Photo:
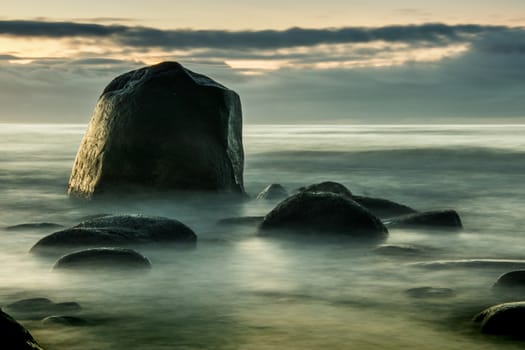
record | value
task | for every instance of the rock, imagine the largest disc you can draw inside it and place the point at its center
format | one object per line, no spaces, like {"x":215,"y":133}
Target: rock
{"x":378,"y":206}
{"x":273,"y":191}
{"x":400,"y":250}
{"x":322,"y":213}
{"x":60,"y":320}
{"x":103,"y":258}
{"x":37,"y":308}
{"x":471,"y":263}
{"x":328,"y":186}
{"x":14,"y":336}
{"x":117,"y":230}
{"x":242,"y":220}
{"x":514,"y":280}
{"x":159,"y":128}
{"x":430,"y":292}
{"x":503,"y":319}
{"x":442,"y":219}
{"x":383,"y":207}
{"x":34,"y":226}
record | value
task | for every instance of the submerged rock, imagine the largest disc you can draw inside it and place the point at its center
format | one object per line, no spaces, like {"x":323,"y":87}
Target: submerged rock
{"x":322,"y":213}
{"x":103,"y":258}
{"x":400,"y":250}
{"x":61,"y":320}
{"x":161,"y":127}
{"x":514,"y":280}
{"x":430,"y":292}
{"x":442,"y":219}
{"x":116,"y":230}
{"x":34,"y":226}
{"x":273,"y":191}
{"x":37,"y":308}
{"x":503,"y":319}
{"x":14,"y":336}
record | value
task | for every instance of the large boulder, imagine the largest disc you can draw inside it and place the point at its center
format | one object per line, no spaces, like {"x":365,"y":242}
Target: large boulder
{"x":273,"y":191}
{"x":511,"y":281}
{"x":322,"y":213}
{"x":117,"y":230}
{"x":103,"y":258}
{"x":161,"y":127}
{"x":14,"y":336}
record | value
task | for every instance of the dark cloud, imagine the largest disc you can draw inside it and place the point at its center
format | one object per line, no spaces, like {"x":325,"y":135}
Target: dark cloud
{"x":264,"y":39}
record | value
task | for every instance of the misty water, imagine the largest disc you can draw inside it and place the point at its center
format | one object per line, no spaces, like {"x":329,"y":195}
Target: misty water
{"x":237,"y":290}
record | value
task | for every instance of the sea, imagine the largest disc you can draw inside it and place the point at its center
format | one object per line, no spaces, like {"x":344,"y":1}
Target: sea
{"x":239,"y":290}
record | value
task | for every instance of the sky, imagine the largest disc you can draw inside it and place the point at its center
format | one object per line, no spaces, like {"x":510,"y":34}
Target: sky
{"x":330,"y":61}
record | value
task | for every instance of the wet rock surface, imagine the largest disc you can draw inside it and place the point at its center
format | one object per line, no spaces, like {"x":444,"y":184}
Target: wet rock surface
{"x":322,"y":213}
{"x":158,"y":128}
{"x":328,"y":186}
{"x":14,"y":336}
{"x":514,"y":280}
{"x":103,"y":258}
{"x":383,"y":207}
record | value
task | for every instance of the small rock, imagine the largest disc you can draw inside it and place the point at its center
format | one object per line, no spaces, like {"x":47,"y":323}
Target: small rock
{"x":322,"y":213}
{"x":37,"y":308}
{"x":503,"y":319}
{"x":511,"y":280}
{"x":273,"y":191}
{"x":103,"y":258}
{"x":65,"y":321}
{"x":430,"y":292}
{"x":442,"y":219}
{"x":15,"y":337}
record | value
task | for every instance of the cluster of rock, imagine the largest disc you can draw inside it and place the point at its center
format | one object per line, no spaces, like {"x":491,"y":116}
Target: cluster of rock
{"x":100,"y":242}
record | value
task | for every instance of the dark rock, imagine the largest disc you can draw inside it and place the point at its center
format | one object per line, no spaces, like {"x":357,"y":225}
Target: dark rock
{"x":383,"y":207}
{"x":34,"y":226}
{"x":322,"y":213}
{"x":273,"y":191}
{"x":378,"y":206}
{"x":242,"y":220}
{"x":116,"y":230}
{"x":430,"y":292}
{"x":503,"y":319}
{"x":37,"y":308}
{"x":101,"y":258}
{"x":159,"y":128}
{"x":472,"y":263}
{"x":65,"y":321}
{"x":328,"y":186}
{"x":14,"y":336}
{"x":442,"y":219}
{"x":514,"y":280}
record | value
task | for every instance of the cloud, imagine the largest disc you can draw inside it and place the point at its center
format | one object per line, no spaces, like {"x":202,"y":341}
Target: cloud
{"x":135,"y":36}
